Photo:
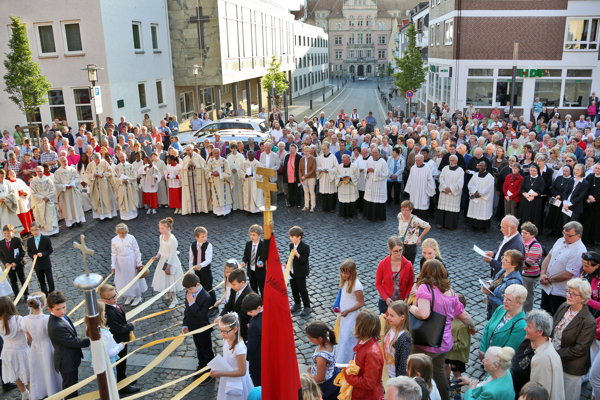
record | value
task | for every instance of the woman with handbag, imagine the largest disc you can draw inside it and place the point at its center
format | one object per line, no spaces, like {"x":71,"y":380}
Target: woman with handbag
{"x":431,"y":318}
{"x":395,"y":275}
{"x":126,"y":262}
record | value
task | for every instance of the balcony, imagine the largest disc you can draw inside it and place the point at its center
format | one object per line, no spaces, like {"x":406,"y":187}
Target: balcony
{"x":423,"y":39}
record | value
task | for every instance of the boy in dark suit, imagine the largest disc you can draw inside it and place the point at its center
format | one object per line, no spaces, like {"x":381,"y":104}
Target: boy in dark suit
{"x":120,"y":329}
{"x":200,"y":256}
{"x":257,"y":272}
{"x":67,"y":346}
{"x":253,"y":306}
{"x":12,"y":255}
{"x":300,"y":270}
{"x":195,"y":316}
{"x":41,"y":246}
{"x":239,"y":290}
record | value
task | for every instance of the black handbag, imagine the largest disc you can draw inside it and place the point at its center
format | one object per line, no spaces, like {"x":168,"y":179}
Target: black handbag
{"x":428,"y":332}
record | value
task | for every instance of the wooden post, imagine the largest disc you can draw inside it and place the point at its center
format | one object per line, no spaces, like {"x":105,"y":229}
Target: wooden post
{"x":267,"y":188}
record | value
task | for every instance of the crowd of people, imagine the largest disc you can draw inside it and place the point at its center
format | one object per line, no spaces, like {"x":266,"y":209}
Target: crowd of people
{"x":537,"y":177}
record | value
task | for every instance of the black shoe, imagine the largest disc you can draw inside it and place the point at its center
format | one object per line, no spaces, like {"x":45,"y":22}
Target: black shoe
{"x":129,"y":389}
{"x":295,"y":308}
{"x":305,"y":312}
{"x":132,"y":383}
{"x":207,"y":381}
{"x":7,"y":387}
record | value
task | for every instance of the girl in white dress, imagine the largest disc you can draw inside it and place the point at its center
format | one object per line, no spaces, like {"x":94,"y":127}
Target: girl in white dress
{"x":351,"y":301}
{"x":234,"y":353}
{"x":230,"y":265}
{"x":126,"y":262}
{"x":15,"y":353}
{"x":168,"y":269}
{"x":48,"y":381}
{"x":5,"y":289}
{"x":113,"y":348}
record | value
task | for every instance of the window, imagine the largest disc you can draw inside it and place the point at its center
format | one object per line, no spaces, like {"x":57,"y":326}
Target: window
{"x":548,"y":90}
{"x":295,"y":84}
{"x":381,"y":26}
{"x":207,"y":99}
{"x":480,"y":91}
{"x":369,"y":54}
{"x":351,"y":70}
{"x":351,"y":38}
{"x":481,"y":72}
{"x":447,"y":89}
{"x":438,"y":87}
{"x":360,"y":54}
{"x":351,"y":53}
{"x":56,"y":101}
{"x":155,"y":40}
{"x":576,"y":90}
{"x":381,"y":54}
{"x":369,"y":21}
{"x":582,"y":34}
{"x":83,"y":106}
{"x":359,"y":38}
{"x":351,"y":20}
{"x":431,"y":83}
{"x":338,"y":26}
{"x":186,"y":104}
{"x":338,"y":40}
{"x":137,"y":35}
{"x":368,"y":38}
{"x":73,"y":38}
{"x":437,"y":35}
{"x":369,"y":70}
{"x":142,"y":95}
{"x":360,"y":20}
{"x":46,"y":39}
{"x":381,"y":40}
{"x":432,"y":34}
{"x":338,"y":55}
{"x":503,"y":91}
{"x":159,"y":92}
{"x":448,"y":31}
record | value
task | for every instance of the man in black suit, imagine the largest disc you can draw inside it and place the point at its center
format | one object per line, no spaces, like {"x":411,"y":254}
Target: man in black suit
{"x":251,"y":260}
{"x":41,"y":246}
{"x":12,"y":255}
{"x":120,"y":329}
{"x":253,"y":306}
{"x":195,"y":316}
{"x":512,"y":241}
{"x":300,"y":270}
{"x":239,"y":290}
{"x":67,"y":346}
{"x":292,"y":178}
{"x":204,"y":151}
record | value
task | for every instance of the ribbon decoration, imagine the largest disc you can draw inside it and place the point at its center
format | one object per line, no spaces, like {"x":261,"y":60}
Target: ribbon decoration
{"x":288,"y":267}
{"x":156,"y":389}
{"x":4,"y":274}
{"x":156,"y":314}
{"x":222,"y":282}
{"x":191,"y":386}
{"x":24,"y":287}
{"x":83,"y":301}
{"x":153,"y":333}
{"x":137,"y":277}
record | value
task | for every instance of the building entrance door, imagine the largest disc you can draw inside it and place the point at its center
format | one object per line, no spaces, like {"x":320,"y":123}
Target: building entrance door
{"x":361,"y":70}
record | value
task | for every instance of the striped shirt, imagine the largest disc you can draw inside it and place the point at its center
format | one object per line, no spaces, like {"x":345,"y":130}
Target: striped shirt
{"x":533,"y":259}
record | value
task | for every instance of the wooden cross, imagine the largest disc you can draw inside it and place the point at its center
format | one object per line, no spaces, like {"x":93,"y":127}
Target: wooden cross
{"x":267,"y":186}
{"x":84,"y":250}
{"x":200,"y":20}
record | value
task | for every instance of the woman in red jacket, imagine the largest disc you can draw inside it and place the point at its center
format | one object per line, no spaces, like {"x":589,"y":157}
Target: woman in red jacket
{"x":368,"y":357}
{"x":512,"y":184}
{"x":395,"y":275}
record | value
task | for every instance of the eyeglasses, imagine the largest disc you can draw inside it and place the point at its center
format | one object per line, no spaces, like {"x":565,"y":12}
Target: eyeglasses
{"x":565,"y":234}
{"x":224,"y":332}
{"x":113,"y":297}
{"x":397,"y":251}
{"x":572,"y":294}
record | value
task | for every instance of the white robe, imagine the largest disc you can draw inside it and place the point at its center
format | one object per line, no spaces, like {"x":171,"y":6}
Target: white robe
{"x":8,"y":209}
{"x":420,"y":186}
{"x":236,"y":162}
{"x":376,"y":187}
{"x":150,"y":179}
{"x":45,"y":212}
{"x":125,"y":256}
{"x":127,"y":193}
{"x":252,"y":195}
{"x":347,"y":192}
{"x":362,"y":170}
{"x":67,"y":182}
{"x":482,"y":207}
{"x":433,"y":167}
{"x":136,"y":167}
{"x":326,"y":180}
{"x":85,"y":192}
{"x":454,"y":180}
{"x":163,"y":193}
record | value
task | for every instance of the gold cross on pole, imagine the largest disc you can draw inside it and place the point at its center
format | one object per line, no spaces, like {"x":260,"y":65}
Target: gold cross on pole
{"x":84,"y":251}
{"x":267,"y":188}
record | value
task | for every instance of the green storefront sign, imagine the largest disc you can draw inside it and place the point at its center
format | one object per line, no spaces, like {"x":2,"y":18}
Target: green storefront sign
{"x":531,"y":73}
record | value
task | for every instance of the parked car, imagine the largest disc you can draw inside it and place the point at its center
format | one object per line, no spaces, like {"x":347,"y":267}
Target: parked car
{"x":239,"y":123}
{"x":238,"y":135}
{"x":362,"y":78}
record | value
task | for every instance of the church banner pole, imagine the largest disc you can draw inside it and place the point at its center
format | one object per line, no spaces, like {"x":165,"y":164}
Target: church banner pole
{"x":88,"y":283}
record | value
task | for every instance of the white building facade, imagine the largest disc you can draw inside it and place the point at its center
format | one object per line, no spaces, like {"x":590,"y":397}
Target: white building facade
{"x":312,"y":59}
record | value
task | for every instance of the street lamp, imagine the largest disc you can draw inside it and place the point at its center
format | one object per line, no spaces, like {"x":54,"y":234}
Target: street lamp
{"x":310,"y":78}
{"x":195,"y":70}
{"x":285,"y":98}
{"x":513,"y":85}
{"x":92,"y":70}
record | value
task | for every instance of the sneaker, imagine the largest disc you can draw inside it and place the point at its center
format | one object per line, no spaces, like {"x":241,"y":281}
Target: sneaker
{"x":25,"y":395}
{"x":149,"y":211}
{"x":305,"y":312}
{"x":154,"y":211}
{"x":295,"y":308}
{"x":173,"y":303}
{"x":128,"y":301}
{"x":136,"y":301}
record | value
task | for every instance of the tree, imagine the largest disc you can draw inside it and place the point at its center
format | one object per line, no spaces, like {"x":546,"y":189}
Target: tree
{"x":25,"y":84}
{"x":389,"y":69}
{"x":412,"y":73}
{"x":275,"y":74}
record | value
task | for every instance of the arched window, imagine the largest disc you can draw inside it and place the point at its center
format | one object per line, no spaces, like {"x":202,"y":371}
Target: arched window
{"x":351,"y":69}
{"x":368,"y":69}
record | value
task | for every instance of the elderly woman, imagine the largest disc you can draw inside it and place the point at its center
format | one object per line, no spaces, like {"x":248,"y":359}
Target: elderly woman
{"x":434,"y":286}
{"x":498,"y":385}
{"x":532,"y":263}
{"x":574,"y":331}
{"x":536,"y":360}
{"x":72,"y":158}
{"x":408,"y":229}
{"x":590,"y":271}
{"x":512,"y":189}
{"x":509,"y":274}
{"x":506,"y":327}
{"x":575,"y":199}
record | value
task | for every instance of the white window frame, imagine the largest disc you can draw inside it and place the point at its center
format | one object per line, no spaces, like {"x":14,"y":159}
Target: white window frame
{"x":379,"y":54}
{"x":437,"y":35}
{"x":155,"y":26}
{"x":143,"y":108}
{"x":338,"y":40}
{"x":350,"y":53}
{"x":432,"y":33}
{"x":447,"y":23}
{"x":139,"y":25}
{"x":39,"y":40}
{"x":75,"y":105}
{"x":588,"y":42}
{"x":64,"y":37}
{"x":381,"y":39}
{"x":340,"y":53}
{"x":162,"y":93}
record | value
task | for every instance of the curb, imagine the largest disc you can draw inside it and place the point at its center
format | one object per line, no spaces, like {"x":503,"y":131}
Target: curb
{"x":331,"y":101}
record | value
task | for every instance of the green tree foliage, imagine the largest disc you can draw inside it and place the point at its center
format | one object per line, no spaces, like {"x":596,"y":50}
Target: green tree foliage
{"x":274,"y":74}
{"x":412,"y":73}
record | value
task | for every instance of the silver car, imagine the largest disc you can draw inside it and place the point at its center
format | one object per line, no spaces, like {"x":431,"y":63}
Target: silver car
{"x":235,"y":123}
{"x":238,"y":135}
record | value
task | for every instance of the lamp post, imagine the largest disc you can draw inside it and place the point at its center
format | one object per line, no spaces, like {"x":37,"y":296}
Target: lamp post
{"x":513,"y":86}
{"x":195,"y":70}
{"x":92,"y":70}
{"x":310,"y":78}
{"x":273,"y":94}
{"x":285,"y":98}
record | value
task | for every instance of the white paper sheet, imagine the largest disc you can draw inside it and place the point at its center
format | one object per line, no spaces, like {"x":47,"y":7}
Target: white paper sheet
{"x":555,"y":202}
{"x":531,"y":192}
{"x":249,"y":171}
{"x":219,"y":364}
{"x":509,"y":193}
{"x":480,"y":252}
{"x":567,"y":212}
{"x":484,"y":284}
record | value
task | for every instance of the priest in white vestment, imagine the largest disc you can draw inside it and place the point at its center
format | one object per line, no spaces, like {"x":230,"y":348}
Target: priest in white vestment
{"x":218,"y":174}
{"x":420,"y":186}
{"x":374,"y":205}
{"x":149,"y":177}
{"x":361,"y":163}
{"x":195,"y":197}
{"x":452,"y":180}
{"x":481,"y":198}
{"x":126,"y":188}
{"x":44,"y":202}
{"x":326,"y":169}
{"x":252,"y":195}
{"x":346,"y":178}
{"x":66,"y":180}
{"x":236,"y":163}
{"x":100,"y":187}
{"x":23,"y":201}
{"x":8,"y":204}
{"x":162,"y":194}
{"x":82,"y":171}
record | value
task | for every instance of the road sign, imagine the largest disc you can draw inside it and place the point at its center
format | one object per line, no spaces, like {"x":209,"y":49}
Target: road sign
{"x":409,"y":93}
{"x":97,"y":99}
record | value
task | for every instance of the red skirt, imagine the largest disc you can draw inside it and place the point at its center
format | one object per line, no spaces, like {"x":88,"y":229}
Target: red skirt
{"x":175,"y":197}
{"x":26,"y":220}
{"x":151,"y":199}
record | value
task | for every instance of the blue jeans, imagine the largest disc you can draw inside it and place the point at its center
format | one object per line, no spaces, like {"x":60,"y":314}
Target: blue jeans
{"x":382,"y":306}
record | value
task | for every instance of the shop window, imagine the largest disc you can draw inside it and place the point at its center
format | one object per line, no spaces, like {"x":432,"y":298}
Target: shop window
{"x":503,"y":88}
{"x":481,"y":72}
{"x":480,"y":91}
{"x":83,"y":106}
{"x":577,"y":92}
{"x":548,"y":90}
{"x":56,"y":102}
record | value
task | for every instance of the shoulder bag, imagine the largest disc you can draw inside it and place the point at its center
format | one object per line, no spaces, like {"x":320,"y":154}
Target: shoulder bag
{"x":428,"y":332}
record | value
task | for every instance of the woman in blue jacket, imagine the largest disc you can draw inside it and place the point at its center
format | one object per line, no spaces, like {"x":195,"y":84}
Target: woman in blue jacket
{"x":510,"y":274}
